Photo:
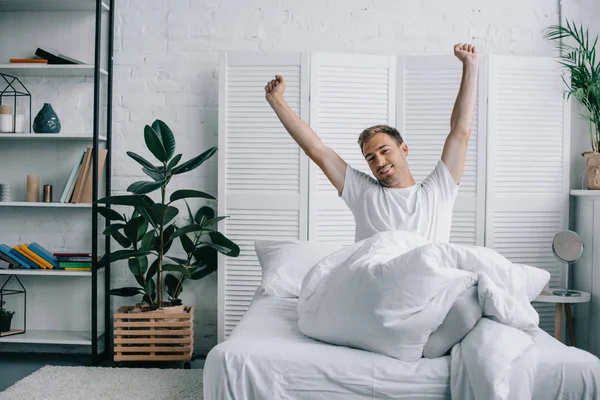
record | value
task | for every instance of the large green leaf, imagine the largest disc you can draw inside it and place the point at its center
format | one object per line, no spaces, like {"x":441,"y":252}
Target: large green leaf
{"x":171,"y":284}
{"x":136,"y":228}
{"x":174,"y":161}
{"x":162,"y":214}
{"x":144,"y":187}
{"x":194,"y":162}
{"x":144,"y":163}
{"x":110,"y":214}
{"x":220,"y":239}
{"x":138,"y":265}
{"x":144,"y":212}
{"x":155,"y":144}
{"x":125,"y":291}
{"x":156,"y":175}
{"x":202,"y":271}
{"x":168,"y":238}
{"x":178,"y":260}
{"x":203,"y":214}
{"x":148,"y":240}
{"x":113,"y":228}
{"x":187,"y":244}
{"x":219,"y":248}
{"x":125,"y":254}
{"x":151,"y":288}
{"x":213,"y":221}
{"x":177,"y":268}
{"x":126,"y":200}
{"x":206,"y":255}
{"x":188,"y":229}
{"x":121,"y":239}
{"x":152,"y":270}
{"x":188,"y":193}
{"x":166,"y":136}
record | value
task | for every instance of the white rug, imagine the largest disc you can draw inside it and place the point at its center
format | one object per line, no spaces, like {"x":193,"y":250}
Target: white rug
{"x":95,"y":383}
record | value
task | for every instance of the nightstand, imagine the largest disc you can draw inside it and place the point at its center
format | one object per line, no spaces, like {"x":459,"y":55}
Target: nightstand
{"x":566,"y":301}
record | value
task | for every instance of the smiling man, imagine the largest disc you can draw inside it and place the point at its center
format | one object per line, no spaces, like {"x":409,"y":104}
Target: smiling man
{"x":393,"y":201}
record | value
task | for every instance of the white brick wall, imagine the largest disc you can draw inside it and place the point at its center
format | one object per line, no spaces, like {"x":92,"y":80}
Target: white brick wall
{"x":167,"y":56}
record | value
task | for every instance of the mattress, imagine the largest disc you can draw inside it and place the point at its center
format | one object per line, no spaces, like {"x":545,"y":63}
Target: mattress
{"x":267,"y":357}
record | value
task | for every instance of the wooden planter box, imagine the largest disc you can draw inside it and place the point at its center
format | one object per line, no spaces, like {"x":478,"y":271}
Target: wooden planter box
{"x":154,"y":336}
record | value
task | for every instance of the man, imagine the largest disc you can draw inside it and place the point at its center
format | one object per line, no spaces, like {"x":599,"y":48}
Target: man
{"x":393,"y":201}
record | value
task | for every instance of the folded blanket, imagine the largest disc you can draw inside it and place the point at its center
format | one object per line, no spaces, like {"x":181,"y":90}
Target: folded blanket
{"x":388,"y":293}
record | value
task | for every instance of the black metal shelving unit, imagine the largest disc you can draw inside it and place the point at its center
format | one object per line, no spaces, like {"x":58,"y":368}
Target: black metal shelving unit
{"x":99,"y":78}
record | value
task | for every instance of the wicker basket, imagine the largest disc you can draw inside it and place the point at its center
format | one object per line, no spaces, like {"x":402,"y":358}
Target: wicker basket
{"x":154,"y":335}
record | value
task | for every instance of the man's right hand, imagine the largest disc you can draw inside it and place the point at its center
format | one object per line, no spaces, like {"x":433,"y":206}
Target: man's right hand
{"x":275,"y":88}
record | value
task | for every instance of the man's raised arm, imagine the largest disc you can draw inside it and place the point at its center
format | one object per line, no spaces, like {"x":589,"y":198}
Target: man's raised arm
{"x":461,"y":121}
{"x":329,"y":161}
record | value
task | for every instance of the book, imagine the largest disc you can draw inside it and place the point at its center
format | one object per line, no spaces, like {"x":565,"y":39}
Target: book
{"x":86,"y":193}
{"x":4,"y":265}
{"x":74,"y":259}
{"x":22,"y":248}
{"x":28,"y":61}
{"x":73,"y":60}
{"x":52,"y":59}
{"x":12,"y":261}
{"x":72,"y":255}
{"x":24,"y":260}
{"x":85,"y":166}
{"x":79,"y":265}
{"x":43,"y":253}
{"x":71,"y":181}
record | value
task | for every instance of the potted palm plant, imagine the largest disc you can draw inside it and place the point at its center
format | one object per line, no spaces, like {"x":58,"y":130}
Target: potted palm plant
{"x":578,"y":56}
{"x":146,"y":236}
{"x":5,"y":318}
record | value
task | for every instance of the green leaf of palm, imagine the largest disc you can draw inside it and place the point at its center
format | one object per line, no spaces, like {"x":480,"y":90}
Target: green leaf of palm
{"x":203,"y":214}
{"x":156,"y":175}
{"x":194,"y":162}
{"x":148,"y":240}
{"x":125,"y":200}
{"x":213,"y":221}
{"x":154,"y":144}
{"x":138,"y":265}
{"x":144,"y":212}
{"x":166,"y":136}
{"x":163,"y":214}
{"x":144,"y":187}
{"x":188,"y":229}
{"x":187,"y":244}
{"x":152,"y":270}
{"x":113,"y":228}
{"x":142,"y":161}
{"x":151,"y":288}
{"x":177,"y":268}
{"x":220,"y":239}
{"x":125,"y":291}
{"x":110,"y":214}
{"x":121,"y":239}
{"x":202,"y":271}
{"x":171,"y":284}
{"x":174,"y":161}
{"x":188,"y":193}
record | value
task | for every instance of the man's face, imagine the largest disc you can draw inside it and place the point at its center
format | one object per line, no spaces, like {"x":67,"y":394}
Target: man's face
{"x":386,"y":158}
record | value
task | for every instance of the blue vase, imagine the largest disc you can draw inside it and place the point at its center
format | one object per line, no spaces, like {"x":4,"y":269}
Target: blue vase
{"x":46,"y":121}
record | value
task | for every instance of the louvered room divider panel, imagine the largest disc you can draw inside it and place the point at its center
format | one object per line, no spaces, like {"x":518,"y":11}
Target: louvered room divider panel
{"x":348,"y":94}
{"x":428,"y":86}
{"x":527,"y":164}
{"x":263,"y":177}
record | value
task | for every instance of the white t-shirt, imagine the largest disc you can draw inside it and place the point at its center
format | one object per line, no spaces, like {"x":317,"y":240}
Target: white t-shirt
{"x":424,"y":208}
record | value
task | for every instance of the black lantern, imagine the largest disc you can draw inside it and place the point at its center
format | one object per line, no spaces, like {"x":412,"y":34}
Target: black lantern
{"x":14,"y":88}
{"x":4,"y":291}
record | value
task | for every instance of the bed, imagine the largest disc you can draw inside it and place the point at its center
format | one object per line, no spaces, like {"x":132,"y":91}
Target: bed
{"x":267,"y":357}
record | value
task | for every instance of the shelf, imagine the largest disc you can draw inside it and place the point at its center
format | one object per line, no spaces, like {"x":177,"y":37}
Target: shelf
{"x":591,"y":194}
{"x":20,"y":70}
{"x":46,"y":136}
{"x":51,"y":5}
{"x":44,"y":205}
{"x":51,"y":337}
{"x":44,"y":272}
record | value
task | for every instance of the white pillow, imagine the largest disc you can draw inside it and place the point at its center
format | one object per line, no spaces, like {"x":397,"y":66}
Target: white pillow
{"x":284,"y":263}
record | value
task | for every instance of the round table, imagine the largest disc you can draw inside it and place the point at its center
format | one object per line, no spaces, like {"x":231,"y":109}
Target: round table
{"x":566,"y":301}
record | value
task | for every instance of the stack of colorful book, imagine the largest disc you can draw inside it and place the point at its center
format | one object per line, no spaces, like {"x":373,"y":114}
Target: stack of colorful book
{"x":30,"y":256}
{"x":74,"y":261}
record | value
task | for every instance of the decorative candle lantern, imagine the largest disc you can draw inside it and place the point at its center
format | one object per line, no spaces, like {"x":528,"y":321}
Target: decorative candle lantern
{"x":10,"y":111}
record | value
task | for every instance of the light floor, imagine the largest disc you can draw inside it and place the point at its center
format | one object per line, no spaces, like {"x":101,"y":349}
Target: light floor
{"x":14,"y":367}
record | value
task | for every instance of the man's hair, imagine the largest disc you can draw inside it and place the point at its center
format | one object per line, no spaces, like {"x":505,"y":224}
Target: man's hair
{"x":368,"y":133}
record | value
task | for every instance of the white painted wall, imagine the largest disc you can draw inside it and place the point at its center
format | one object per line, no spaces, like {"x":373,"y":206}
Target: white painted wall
{"x":167,"y":53}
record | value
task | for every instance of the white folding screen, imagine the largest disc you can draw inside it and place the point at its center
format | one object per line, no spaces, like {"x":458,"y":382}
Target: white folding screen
{"x":427,"y":90}
{"x":263,"y":174}
{"x":348,"y":93}
{"x":513,"y":196}
{"x":527,"y":164}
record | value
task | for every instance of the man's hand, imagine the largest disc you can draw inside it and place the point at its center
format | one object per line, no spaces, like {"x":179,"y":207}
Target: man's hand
{"x":466,"y":53}
{"x":275,"y":88}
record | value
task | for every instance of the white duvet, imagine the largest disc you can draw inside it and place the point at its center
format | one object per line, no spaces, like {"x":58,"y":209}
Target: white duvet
{"x":388,"y":293}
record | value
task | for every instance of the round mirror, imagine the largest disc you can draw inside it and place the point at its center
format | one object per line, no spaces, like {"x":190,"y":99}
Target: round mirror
{"x":567,"y":246}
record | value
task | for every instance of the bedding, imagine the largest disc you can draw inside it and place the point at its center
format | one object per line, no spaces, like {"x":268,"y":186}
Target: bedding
{"x":267,"y":357}
{"x":389,"y":293}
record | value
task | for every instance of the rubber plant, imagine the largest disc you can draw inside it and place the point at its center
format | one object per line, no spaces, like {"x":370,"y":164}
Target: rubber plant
{"x":147,"y":234}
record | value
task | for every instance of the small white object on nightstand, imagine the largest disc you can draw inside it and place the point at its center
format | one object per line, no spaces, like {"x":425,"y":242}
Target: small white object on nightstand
{"x":548,"y":297}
